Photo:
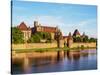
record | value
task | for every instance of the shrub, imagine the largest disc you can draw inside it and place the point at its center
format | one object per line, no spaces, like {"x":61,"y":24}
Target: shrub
{"x":82,"y":47}
{"x":34,"y":39}
{"x":17,"y":36}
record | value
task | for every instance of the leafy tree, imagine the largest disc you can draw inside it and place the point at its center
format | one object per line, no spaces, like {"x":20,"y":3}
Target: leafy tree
{"x":85,"y":39}
{"x":92,"y":40}
{"x":17,"y":35}
{"x":35,"y":38}
{"x":77,"y":39}
{"x":44,"y":35}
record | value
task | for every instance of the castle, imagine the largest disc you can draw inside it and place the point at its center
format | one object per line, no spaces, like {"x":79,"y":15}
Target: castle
{"x":27,"y":31}
{"x":37,"y":28}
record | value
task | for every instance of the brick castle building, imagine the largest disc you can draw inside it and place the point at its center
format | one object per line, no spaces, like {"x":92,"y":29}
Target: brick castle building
{"x":27,"y":31}
{"x":39,"y":28}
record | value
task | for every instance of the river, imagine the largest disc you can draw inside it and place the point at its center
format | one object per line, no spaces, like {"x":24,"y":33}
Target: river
{"x":56,"y":61}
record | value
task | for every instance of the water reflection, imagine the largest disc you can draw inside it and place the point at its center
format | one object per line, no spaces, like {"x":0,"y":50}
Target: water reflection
{"x":54,"y":61}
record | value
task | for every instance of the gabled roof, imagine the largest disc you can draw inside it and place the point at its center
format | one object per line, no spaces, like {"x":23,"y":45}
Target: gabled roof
{"x":23,"y":26}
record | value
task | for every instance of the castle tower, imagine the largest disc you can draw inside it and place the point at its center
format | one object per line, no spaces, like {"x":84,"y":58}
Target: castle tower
{"x":35,"y":23}
{"x":83,"y":35}
{"x":69,"y":40}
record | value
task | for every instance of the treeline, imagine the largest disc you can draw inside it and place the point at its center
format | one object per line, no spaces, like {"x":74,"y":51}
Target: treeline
{"x":84,"y":39}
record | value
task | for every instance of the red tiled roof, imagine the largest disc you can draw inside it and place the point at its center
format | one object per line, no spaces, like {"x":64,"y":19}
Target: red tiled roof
{"x":49,"y":29}
{"x":23,"y":26}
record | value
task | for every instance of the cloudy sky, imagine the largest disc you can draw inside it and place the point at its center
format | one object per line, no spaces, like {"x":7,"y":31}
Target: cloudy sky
{"x":67,"y":17}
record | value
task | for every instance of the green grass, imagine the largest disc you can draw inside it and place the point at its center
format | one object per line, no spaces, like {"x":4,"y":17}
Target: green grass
{"x":50,"y":49}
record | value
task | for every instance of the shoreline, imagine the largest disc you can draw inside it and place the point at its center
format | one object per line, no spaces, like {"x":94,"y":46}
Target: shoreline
{"x":51,"y":49}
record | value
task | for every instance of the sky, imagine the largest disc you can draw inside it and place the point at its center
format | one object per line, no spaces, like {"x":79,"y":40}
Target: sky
{"x":67,"y":17}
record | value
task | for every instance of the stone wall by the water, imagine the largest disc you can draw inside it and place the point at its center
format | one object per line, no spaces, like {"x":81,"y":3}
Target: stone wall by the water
{"x":49,"y":45}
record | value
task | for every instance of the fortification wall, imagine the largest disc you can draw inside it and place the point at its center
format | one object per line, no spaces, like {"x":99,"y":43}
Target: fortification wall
{"x":49,"y":45}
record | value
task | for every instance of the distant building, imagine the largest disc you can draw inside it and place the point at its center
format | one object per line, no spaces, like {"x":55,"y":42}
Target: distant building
{"x":26,"y":31}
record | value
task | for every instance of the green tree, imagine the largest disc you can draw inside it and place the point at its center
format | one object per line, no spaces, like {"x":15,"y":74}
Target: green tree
{"x":77,"y":39}
{"x":92,"y":40}
{"x":35,"y":38}
{"x":17,"y":35}
{"x":85,"y":39}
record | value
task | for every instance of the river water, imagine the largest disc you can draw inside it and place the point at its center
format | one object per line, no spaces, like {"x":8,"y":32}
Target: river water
{"x":58,"y":61}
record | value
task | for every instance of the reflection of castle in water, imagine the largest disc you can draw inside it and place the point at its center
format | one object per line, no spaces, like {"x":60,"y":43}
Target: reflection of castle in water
{"x":56,"y":57}
{"x":73,"y":55}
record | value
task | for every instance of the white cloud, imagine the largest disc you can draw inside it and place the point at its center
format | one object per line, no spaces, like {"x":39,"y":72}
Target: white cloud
{"x":87,"y":26}
{"x":50,"y":20}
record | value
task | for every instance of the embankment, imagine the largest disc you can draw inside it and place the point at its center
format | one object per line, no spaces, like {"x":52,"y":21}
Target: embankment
{"x":48,"y":45}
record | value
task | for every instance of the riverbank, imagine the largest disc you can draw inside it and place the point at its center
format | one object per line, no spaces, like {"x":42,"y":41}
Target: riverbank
{"x":51,"y":49}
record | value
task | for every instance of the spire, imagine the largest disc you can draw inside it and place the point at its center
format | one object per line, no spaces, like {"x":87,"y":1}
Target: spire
{"x":35,"y":23}
{"x":69,"y":34}
{"x":83,"y":33}
{"x":76,"y":33}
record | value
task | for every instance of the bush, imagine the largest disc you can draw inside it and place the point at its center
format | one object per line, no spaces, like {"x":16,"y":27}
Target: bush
{"x":77,"y":39}
{"x":82,"y":47}
{"x":92,"y":40}
{"x":85,"y":39}
{"x":48,"y":41}
{"x":17,"y":36}
{"x":34,"y":39}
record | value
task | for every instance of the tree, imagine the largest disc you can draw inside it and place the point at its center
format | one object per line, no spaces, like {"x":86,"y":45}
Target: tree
{"x":35,"y":38}
{"x":44,"y":35}
{"x":17,"y":35}
{"x":77,"y":39}
{"x":85,"y":39}
{"x":92,"y":40}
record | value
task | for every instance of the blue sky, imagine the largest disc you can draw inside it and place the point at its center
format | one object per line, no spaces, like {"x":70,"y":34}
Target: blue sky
{"x":67,"y":17}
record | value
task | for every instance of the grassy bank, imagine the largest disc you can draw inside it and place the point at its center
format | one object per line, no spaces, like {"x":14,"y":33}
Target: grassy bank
{"x":51,"y":49}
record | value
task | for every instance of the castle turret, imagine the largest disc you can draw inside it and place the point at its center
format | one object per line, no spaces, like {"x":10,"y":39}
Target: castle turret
{"x":83,"y":35}
{"x":35,"y":23}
